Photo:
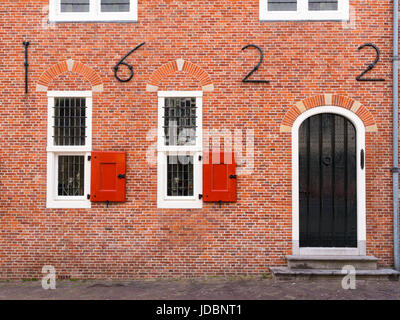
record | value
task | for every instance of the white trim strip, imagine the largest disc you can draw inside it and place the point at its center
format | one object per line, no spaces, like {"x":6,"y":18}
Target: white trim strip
{"x":180,"y":94}
{"x":67,"y":94}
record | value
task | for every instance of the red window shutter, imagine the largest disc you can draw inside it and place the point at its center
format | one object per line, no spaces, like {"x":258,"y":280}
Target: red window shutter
{"x":108,"y":177}
{"x":219,"y":178}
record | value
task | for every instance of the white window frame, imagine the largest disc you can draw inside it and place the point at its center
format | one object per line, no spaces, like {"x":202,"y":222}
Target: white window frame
{"x":94,"y":14}
{"x":163,"y":200}
{"x":53,"y":152}
{"x":302,"y":13}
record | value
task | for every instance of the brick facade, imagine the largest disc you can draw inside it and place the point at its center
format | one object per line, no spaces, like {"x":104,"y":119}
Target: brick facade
{"x":190,"y":45}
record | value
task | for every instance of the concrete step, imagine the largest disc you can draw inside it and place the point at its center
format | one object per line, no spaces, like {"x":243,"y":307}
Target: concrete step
{"x":286,"y":274}
{"x":332,"y":262}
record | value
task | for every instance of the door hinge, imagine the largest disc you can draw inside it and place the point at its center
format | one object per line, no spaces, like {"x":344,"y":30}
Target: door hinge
{"x":88,"y":196}
{"x":200,"y":196}
{"x":89,"y":158}
{"x":362,"y":156}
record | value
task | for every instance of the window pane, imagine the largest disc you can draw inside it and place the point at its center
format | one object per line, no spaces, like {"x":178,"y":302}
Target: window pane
{"x":180,"y":176}
{"x":71,"y":173}
{"x":115,"y":5}
{"x":74,"y":5}
{"x":180,"y":121}
{"x":282,"y":5}
{"x":69,"y":121}
{"x":318,"y":5}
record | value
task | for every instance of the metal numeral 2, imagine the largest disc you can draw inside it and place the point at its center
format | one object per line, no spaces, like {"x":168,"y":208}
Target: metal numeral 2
{"x":372,"y":65}
{"x":126,"y":64}
{"x":245,"y":79}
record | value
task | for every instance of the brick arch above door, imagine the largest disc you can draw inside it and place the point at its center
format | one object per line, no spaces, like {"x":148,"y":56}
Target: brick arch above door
{"x":329,"y":100}
{"x":180,"y":65}
{"x":69,"y":66}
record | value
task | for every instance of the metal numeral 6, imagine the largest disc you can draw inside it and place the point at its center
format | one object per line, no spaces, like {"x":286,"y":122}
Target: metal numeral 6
{"x":126,"y":64}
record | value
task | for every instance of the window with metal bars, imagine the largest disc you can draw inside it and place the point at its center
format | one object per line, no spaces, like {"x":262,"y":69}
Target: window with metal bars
{"x":69,"y":121}
{"x":180,"y":176}
{"x":71,"y":175}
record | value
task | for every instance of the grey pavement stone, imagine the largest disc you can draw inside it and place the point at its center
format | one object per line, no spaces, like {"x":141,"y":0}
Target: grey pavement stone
{"x":209,"y":289}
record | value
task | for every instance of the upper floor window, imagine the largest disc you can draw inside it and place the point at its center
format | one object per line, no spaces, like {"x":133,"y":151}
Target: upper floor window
{"x":304,"y":10}
{"x":93,"y":10}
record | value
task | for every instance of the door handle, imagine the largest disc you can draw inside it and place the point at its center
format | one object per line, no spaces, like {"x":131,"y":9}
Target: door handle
{"x":362,"y":160}
{"x":327,"y":161}
{"x":121,"y":176}
{"x":233,"y":176}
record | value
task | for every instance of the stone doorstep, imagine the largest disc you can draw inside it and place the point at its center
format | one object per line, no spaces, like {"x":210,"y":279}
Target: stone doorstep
{"x":332,"y":262}
{"x":339,"y":258}
{"x":284,"y":273}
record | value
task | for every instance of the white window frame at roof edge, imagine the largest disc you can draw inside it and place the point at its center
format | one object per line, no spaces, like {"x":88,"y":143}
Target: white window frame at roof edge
{"x":94,"y":14}
{"x":179,"y":202}
{"x":303,"y":14}
{"x":53,"y":152}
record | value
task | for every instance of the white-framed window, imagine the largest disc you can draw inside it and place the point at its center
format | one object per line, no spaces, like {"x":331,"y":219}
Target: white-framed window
{"x":69,"y":143}
{"x":92,"y":10}
{"x":277,"y":10}
{"x":179,"y":168}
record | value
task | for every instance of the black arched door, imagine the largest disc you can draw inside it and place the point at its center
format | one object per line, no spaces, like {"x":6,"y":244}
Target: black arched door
{"x":327,"y":182}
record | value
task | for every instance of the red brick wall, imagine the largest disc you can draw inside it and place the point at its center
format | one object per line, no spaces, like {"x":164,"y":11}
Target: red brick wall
{"x":135,"y":239}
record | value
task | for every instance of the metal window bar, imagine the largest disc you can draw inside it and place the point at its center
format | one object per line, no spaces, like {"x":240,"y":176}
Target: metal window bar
{"x":69,"y":122}
{"x":71,"y":175}
{"x":180,"y":121}
{"x":180,"y":176}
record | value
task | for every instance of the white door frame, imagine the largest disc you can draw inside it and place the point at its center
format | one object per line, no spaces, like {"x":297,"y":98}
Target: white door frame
{"x":361,"y":208}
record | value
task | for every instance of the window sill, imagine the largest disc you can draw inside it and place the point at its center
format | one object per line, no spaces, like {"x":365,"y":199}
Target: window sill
{"x":183,"y":204}
{"x":69,"y":149}
{"x":131,"y":17}
{"x":70,"y":204}
{"x":93,"y":21}
{"x":310,"y":16}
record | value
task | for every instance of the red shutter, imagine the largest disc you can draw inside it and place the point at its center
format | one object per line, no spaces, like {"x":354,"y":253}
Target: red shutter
{"x":219,"y":178}
{"x":108,"y":176}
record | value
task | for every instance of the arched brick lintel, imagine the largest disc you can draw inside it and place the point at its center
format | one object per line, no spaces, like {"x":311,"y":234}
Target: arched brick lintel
{"x":69,"y":66}
{"x":329,"y":100}
{"x":177,"y":66}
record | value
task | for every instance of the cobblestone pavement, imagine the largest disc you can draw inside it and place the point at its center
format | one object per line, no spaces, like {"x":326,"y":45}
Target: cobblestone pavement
{"x":209,"y":289}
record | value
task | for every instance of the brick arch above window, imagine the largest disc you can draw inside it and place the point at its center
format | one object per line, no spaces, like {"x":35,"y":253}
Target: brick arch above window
{"x":180,"y":65}
{"x":69,"y":66}
{"x":329,"y":100}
